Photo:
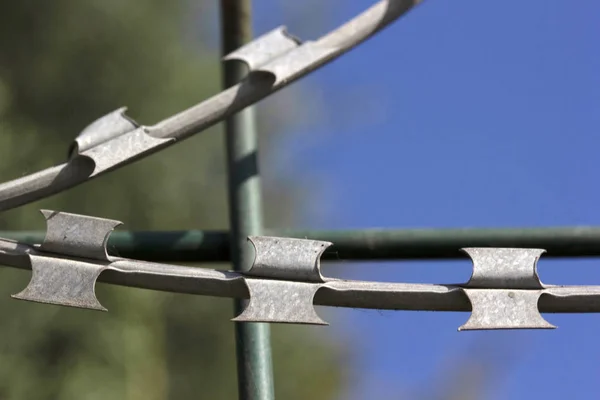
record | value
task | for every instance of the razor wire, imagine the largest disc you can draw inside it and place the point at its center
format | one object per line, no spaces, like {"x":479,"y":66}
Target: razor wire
{"x":276,"y":59}
{"x":285,"y":281}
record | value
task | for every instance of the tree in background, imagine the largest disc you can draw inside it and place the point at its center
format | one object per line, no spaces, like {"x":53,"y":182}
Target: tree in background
{"x":62,"y":65}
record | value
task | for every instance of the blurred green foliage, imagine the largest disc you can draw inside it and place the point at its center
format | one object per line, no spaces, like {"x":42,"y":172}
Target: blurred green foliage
{"x":62,"y":65}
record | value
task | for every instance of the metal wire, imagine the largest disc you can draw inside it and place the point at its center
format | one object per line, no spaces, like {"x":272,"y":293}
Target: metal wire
{"x":350,"y":245}
{"x":334,"y":292}
{"x":504,"y":291}
{"x":284,"y":280}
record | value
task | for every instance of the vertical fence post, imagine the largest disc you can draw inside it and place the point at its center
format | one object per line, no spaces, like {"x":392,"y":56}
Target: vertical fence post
{"x":253,"y":347}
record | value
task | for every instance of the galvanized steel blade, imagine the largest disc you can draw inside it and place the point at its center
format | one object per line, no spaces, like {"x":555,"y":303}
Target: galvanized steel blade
{"x":124,"y":149}
{"x":108,"y":127}
{"x":281,"y":302}
{"x":504,"y":268}
{"x":105,"y":146}
{"x":287,"y":258}
{"x":291,"y":64}
{"x":504,"y":309}
{"x":264,"y":48}
{"x":66,"y":281}
{"x":280,"y":54}
{"x":77,"y":235}
{"x":293,"y":267}
{"x":498,"y":291}
{"x":63,"y":282}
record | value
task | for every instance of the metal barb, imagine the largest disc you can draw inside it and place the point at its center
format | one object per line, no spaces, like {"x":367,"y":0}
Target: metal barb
{"x":101,"y":130}
{"x":124,"y":149}
{"x":504,"y":309}
{"x":63,"y":282}
{"x":264,"y":48}
{"x":281,"y":302}
{"x":77,"y":235}
{"x":504,"y":289}
{"x":115,"y":139}
{"x":287,"y":258}
{"x":293,"y":63}
{"x":280,"y":54}
{"x":504,"y":268}
{"x":292,"y":269}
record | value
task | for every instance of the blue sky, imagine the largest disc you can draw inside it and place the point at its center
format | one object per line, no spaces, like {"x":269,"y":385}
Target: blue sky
{"x":462,"y":114}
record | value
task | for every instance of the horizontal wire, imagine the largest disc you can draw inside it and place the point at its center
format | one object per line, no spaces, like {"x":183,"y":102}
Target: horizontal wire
{"x":349,"y":245}
{"x":334,"y":292}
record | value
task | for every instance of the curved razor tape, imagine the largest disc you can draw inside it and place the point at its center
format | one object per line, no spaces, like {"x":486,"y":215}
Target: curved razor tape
{"x":101,"y":130}
{"x":77,"y":235}
{"x":111,"y":148}
{"x":53,"y":180}
{"x":281,"y":302}
{"x":504,"y":268}
{"x":264,"y":48}
{"x":287,"y":258}
{"x":504,"y":309}
{"x":63,"y":282}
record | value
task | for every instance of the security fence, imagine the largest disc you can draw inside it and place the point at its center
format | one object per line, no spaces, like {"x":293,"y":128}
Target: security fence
{"x":276,"y":276}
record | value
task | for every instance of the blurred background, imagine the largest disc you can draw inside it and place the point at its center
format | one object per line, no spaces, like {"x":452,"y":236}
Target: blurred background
{"x":462,"y":114}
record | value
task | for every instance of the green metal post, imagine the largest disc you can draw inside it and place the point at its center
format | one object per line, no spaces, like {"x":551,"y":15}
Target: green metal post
{"x":254,"y":365}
